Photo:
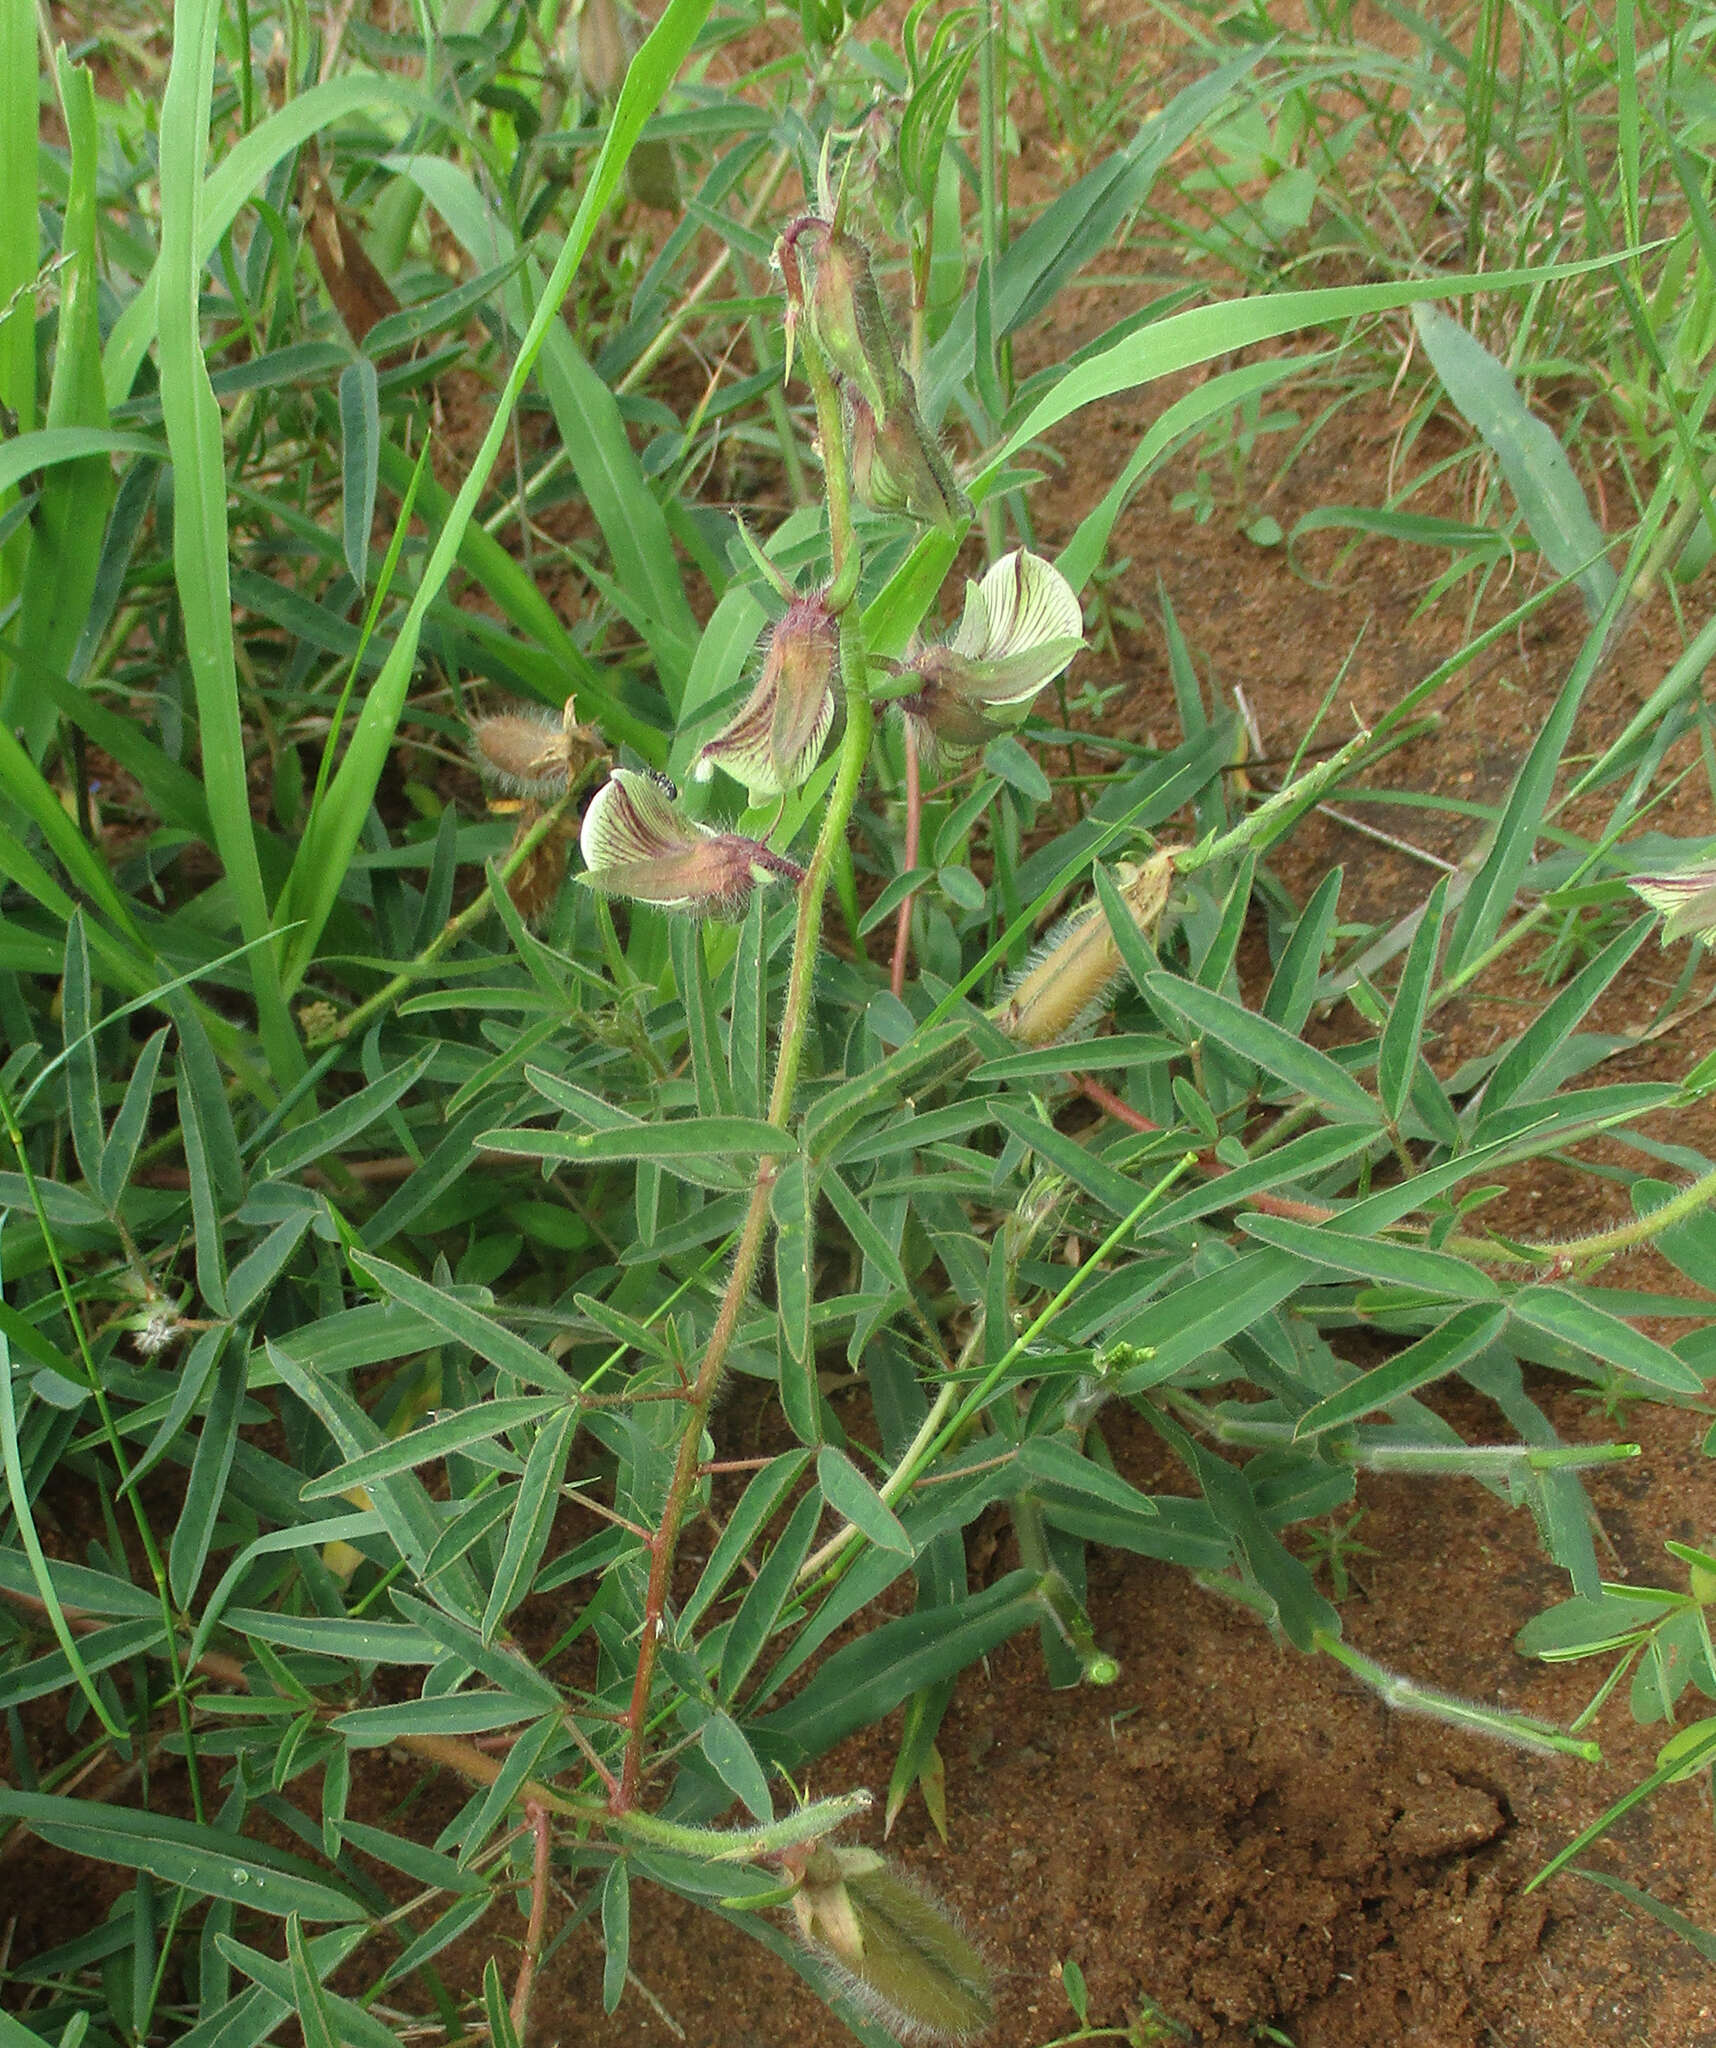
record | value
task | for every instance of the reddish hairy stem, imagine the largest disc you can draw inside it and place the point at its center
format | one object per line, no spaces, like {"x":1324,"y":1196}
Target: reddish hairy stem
{"x":537,"y":1926}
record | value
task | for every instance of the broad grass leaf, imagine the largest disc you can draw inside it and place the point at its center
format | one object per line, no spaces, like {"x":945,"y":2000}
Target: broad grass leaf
{"x":1533,"y":461}
{"x":209,"y":1861}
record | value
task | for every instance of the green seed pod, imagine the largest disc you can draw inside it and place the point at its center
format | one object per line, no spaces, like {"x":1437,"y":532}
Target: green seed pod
{"x":896,"y":1948}
{"x":896,"y":465}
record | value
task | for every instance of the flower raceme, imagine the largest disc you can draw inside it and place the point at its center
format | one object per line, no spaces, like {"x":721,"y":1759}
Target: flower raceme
{"x":635,"y":843}
{"x":1021,"y":628}
{"x":779,"y":733}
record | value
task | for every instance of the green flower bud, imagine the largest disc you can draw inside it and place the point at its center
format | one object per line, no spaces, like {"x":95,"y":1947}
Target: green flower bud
{"x":780,"y":731}
{"x":636,"y":844}
{"x":840,"y":305}
{"x":896,"y":465}
{"x":896,"y":1948}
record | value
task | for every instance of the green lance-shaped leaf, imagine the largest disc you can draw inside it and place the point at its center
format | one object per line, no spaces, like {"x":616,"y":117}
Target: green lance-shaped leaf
{"x":1558,"y":1312}
{"x":1533,"y":461}
{"x":75,"y":497}
{"x":210,"y":1861}
{"x":1454,"y":1344}
{"x":360,"y":460}
{"x":1266,"y":1046}
{"x":850,"y":1494}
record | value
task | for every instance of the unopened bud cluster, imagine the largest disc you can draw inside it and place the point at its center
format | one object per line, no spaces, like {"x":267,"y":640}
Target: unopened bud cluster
{"x":831,"y":291}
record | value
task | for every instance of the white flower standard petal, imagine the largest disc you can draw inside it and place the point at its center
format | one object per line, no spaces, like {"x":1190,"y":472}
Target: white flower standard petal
{"x":1686,"y":901}
{"x":630,"y":818}
{"x":1025,"y":603}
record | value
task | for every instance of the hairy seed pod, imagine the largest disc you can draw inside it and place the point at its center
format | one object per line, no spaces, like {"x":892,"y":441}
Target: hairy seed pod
{"x":843,"y":310}
{"x":1065,"y":983}
{"x":894,"y":1946}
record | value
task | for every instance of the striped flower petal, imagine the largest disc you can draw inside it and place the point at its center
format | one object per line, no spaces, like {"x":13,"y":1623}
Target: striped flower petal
{"x":636,"y":844}
{"x":779,"y":733}
{"x":1687,"y":901}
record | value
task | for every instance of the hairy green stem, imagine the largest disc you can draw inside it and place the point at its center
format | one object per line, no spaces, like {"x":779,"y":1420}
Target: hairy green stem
{"x":1571,"y":1252}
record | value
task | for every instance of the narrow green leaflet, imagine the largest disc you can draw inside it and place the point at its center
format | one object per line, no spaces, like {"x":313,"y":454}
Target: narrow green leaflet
{"x":465,"y":1324}
{"x":1402,"y":1034}
{"x":851,"y":1495}
{"x":1267,"y":1046}
{"x":205,"y":1860}
{"x":867,"y":1679}
{"x":434,"y":1441}
{"x":1557,"y":1312}
{"x":1375,"y":1258}
{"x":532,"y":1519}
{"x":1454,"y":1344}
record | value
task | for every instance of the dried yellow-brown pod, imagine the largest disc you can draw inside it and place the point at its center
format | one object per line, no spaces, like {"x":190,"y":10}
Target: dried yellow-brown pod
{"x":1067,"y":980}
